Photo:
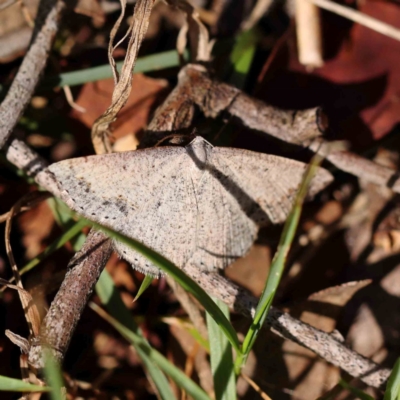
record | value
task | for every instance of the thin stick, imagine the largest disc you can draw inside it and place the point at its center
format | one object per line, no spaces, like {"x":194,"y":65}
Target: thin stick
{"x":6,"y":4}
{"x":70,"y":100}
{"x":308,"y":32}
{"x":359,"y":17}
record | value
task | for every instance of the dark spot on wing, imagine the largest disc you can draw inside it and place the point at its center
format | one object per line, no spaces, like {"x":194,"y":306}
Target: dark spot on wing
{"x":122,"y":206}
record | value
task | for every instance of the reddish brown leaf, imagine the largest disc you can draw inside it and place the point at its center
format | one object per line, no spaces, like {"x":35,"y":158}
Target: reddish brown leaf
{"x":95,"y":98}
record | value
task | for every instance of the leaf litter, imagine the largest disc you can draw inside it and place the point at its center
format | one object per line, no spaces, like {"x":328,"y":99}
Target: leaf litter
{"x":305,"y":390}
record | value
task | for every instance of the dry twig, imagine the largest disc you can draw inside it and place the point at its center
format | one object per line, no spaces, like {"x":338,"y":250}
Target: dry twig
{"x":359,"y":17}
{"x":32,"y":66}
{"x":258,"y":11}
{"x":308,"y":32}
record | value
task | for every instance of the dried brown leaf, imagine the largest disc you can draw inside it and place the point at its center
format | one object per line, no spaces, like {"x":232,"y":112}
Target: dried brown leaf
{"x":95,"y":98}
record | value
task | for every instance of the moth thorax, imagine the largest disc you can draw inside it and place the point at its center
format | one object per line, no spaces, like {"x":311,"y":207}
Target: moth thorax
{"x":199,"y":150}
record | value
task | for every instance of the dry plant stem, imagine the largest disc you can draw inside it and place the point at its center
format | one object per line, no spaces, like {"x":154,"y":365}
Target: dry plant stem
{"x":361,"y":167}
{"x":361,"y":18}
{"x":195,"y":30}
{"x":28,"y":206}
{"x":254,"y":385}
{"x":30,"y":310}
{"x":321,"y":343}
{"x":26,"y":13}
{"x":259,"y":10}
{"x":66,"y":309}
{"x":23,"y":157}
{"x":308,"y":31}
{"x":101,"y":127}
{"x":32,"y":66}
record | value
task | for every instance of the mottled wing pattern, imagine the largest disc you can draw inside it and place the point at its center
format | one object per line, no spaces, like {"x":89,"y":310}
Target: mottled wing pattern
{"x":265,"y":185}
{"x":143,"y":194}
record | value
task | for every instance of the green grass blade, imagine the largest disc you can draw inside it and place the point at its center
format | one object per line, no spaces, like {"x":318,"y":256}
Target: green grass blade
{"x":393,"y":385}
{"x":110,"y":297}
{"x":65,"y":237}
{"x":355,"y":391}
{"x":157,"y":358}
{"x":177,"y":274}
{"x":52,"y":372}
{"x":61,"y":212}
{"x":64,"y":218}
{"x":199,"y":339}
{"x":239,"y":52}
{"x":16,"y":385}
{"x":149,"y":63}
{"x":221,"y":359}
{"x":145,"y":284}
{"x":277,"y":265}
{"x":242,"y":56}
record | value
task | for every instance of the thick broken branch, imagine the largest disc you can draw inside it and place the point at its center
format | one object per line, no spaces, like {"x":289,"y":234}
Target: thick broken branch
{"x":302,"y":128}
{"x":66,"y":309}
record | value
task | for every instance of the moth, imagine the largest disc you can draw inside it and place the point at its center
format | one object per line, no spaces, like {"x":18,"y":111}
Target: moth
{"x":197,"y":205}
